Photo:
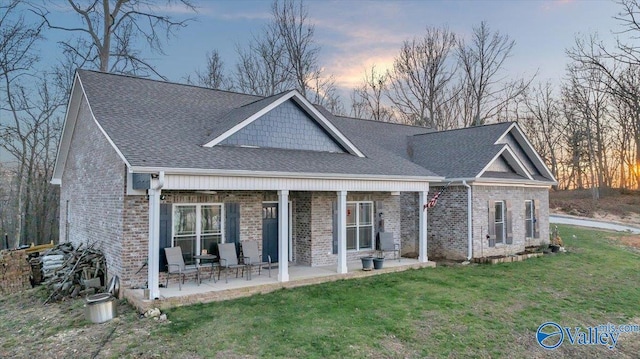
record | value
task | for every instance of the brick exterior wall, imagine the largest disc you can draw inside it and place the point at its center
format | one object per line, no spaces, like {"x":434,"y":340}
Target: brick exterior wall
{"x":250,"y":214}
{"x":517,"y":196}
{"x":92,"y":192}
{"x":447,"y":222}
{"x":135,"y":242}
{"x":322,"y":223}
{"x":409,"y":221}
{"x":302,"y":234}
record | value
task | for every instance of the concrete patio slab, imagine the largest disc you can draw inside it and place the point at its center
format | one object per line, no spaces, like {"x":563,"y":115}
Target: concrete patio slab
{"x":210,"y":291}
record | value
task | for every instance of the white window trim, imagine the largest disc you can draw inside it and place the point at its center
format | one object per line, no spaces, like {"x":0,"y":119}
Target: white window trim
{"x":503,"y":214}
{"x":357,"y":226}
{"x":527,"y":203}
{"x":198,"y":233}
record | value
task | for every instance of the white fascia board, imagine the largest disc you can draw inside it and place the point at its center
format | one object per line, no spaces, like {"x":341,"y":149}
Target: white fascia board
{"x":327,"y":125}
{"x":510,"y":156}
{"x":102,"y":129}
{"x":505,"y":182}
{"x":501,"y":138}
{"x":531,"y":151}
{"x":512,"y":183}
{"x":73,"y":106}
{"x":274,"y":174}
{"x":311,"y":110}
{"x":249,"y":120}
{"x":78,"y":95}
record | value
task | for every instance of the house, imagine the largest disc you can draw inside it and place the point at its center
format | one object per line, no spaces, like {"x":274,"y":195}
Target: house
{"x":145,"y":165}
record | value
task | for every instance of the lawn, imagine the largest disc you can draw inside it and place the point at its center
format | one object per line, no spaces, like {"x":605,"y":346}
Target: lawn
{"x":488,"y":311}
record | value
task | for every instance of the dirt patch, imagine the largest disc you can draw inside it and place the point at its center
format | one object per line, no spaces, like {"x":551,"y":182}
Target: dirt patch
{"x":613,"y":205}
{"x":629,"y":241}
{"x":60,"y":330}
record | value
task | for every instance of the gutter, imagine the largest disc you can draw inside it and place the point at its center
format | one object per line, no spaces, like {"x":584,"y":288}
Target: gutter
{"x":469,"y":223}
{"x":276,"y":174}
{"x":160,"y":183}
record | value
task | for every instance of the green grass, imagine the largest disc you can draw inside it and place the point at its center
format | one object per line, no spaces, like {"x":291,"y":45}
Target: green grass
{"x":479,"y":311}
{"x":460,"y":311}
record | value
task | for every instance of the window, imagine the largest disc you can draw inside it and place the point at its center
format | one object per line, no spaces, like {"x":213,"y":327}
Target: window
{"x":359,"y":225}
{"x":529,"y":218}
{"x":196,"y":227}
{"x":500,"y":222}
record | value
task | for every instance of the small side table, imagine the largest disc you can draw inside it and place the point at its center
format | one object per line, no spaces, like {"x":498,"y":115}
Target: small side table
{"x":207,"y":257}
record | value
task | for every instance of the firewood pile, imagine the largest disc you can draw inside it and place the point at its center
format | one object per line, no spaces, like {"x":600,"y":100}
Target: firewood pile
{"x":15,"y":271}
{"x":70,"y":272}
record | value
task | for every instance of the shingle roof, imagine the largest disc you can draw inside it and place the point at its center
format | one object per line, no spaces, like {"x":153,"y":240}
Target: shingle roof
{"x":240,"y":114}
{"x":461,"y":153}
{"x":160,"y":124}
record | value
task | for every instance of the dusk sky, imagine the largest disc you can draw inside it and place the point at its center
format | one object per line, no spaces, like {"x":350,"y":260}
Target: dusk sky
{"x":353,"y":35}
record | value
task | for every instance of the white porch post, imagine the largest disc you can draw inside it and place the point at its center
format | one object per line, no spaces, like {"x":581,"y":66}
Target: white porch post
{"x":283,"y":236}
{"x":422,"y":236}
{"x":342,"y":232}
{"x":153,"y":262}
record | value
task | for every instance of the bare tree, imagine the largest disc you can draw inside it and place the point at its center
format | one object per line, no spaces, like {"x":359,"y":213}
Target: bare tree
{"x":108,"y":30}
{"x":585,"y":93}
{"x":367,"y":99}
{"x":482,"y":61}
{"x":543,"y":123}
{"x":421,"y":77}
{"x":291,"y":24}
{"x":284,"y":56}
{"x":213,"y":76}
{"x":325,"y":93}
{"x":17,"y":57}
{"x":261,"y":69}
{"x":619,"y":66}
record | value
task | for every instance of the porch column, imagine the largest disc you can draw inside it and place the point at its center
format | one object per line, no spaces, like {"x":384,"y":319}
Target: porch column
{"x":153,"y":261}
{"x":283,"y":236}
{"x":422,"y":236}
{"x":342,"y":232}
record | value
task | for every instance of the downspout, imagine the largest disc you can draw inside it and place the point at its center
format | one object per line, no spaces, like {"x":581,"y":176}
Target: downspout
{"x":154,"y":238}
{"x":469,"y":222}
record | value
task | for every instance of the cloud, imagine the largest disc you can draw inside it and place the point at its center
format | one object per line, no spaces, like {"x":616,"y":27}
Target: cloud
{"x":552,"y":5}
{"x":351,"y":47}
{"x":222,"y":11}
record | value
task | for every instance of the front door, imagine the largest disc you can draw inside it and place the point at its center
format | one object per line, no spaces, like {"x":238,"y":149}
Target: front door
{"x":270,"y":231}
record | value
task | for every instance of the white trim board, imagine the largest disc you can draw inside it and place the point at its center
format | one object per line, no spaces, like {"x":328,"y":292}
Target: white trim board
{"x":307,"y":107}
{"x":188,"y":182}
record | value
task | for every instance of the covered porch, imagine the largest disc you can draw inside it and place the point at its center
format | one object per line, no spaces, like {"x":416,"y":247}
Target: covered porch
{"x":299,"y":275}
{"x":312,"y":218}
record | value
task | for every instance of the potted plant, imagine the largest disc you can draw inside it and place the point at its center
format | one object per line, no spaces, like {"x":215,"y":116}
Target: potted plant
{"x":377,"y":262}
{"x":556,"y":241}
{"x":367,"y":263}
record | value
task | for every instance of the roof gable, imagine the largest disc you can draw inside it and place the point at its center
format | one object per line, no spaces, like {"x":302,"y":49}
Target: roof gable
{"x":244,"y":116}
{"x":286,"y":126}
{"x":498,"y":151}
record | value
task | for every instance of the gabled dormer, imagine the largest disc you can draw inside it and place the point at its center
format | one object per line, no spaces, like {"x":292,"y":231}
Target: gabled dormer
{"x":283,"y":121}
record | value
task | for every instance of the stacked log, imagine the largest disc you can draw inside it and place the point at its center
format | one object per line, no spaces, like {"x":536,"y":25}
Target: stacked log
{"x":15,"y":271}
{"x":70,"y":272}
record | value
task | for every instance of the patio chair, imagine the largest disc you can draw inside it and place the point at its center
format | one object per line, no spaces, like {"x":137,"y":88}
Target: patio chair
{"x":252,"y":257}
{"x":175,"y":265}
{"x":386,"y":244}
{"x":229,"y":260}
